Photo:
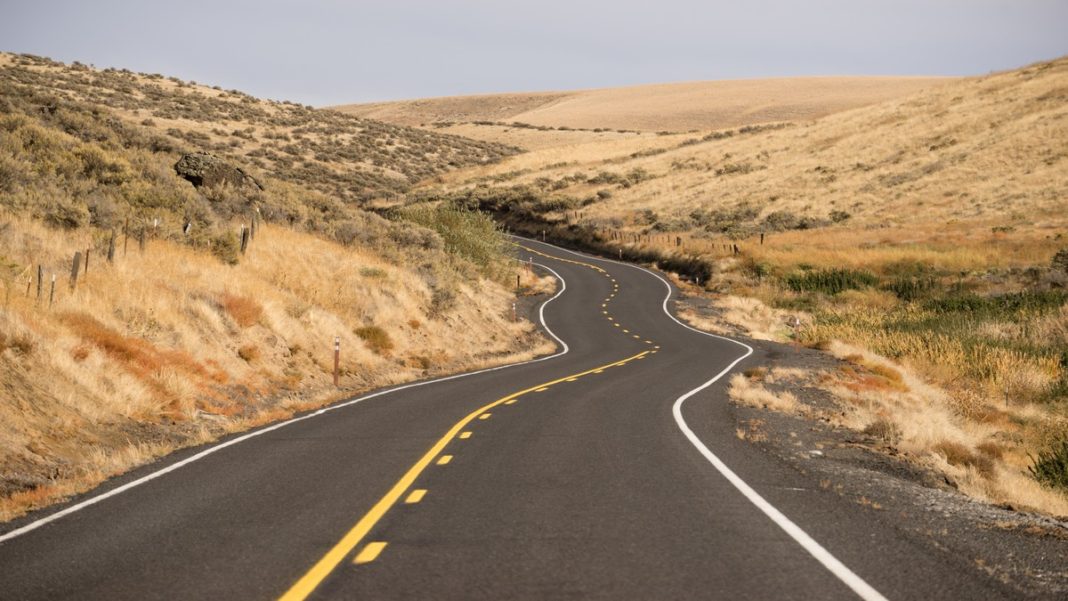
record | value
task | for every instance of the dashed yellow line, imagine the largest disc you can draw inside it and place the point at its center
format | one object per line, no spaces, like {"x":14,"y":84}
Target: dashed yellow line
{"x":465,"y":434}
{"x":369,"y":553}
{"x":416,"y":496}
{"x":542,"y":389}
{"x":351,"y":539}
{"x":444,"y":459}
{"x":485,"y":416}
{"x":510,"y":402}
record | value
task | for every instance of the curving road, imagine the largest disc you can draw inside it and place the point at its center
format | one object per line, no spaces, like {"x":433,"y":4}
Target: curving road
{"x":610,"y":470}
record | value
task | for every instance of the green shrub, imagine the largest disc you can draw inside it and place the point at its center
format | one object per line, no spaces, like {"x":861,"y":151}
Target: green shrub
{"x":1051,"y":466}
{"x":470,"y":234}
{"x":831,"y":281}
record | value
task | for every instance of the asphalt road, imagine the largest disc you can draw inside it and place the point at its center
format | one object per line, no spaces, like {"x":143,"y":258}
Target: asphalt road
{"x":580,"y":476}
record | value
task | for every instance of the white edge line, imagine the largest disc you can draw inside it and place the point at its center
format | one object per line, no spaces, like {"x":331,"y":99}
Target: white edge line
{"x":837,"y":568}
{"x":170,"y":468}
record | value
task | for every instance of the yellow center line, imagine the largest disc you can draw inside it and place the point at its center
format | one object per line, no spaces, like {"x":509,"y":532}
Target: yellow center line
{"x":511,"y":401}
{"x":369,"y":553}
{"x":465,"y":434}
{"x":416,"y":496}
{"x":542,"y":389}
{"x":485,"y":416}
{"x":444,"y":459}
{"x":326,"y":564}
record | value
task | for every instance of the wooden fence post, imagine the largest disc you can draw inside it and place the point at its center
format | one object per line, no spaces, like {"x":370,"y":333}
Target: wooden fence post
{"x":244,"y":238}
{"x":52,"y":293}
{"x":141,"y":239}
{"x":111,"y":248}
{"x":74,"y":270}
{"x":40,"y":282}
{"x":86,"y":270}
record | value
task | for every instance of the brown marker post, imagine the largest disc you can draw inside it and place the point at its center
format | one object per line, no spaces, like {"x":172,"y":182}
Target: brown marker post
{"x":337,"y":359}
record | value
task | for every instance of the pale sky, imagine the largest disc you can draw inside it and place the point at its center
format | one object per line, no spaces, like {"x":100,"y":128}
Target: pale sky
{"x":325,"y":52}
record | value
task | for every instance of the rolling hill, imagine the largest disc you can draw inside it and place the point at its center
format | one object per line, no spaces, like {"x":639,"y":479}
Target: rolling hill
{"x":556,"y":118}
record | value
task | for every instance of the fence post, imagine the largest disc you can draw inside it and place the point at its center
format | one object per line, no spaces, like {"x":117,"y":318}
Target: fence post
{"x":337,"y":359}
{"x":40,"y":282}
{"x":52,"y":294}
{"x":74,"y":270}
{"x":111,"y":248}
{"x":244,"y":238}
{"x":762,"y":238}
{"x":86,"y":270}
{"x":141,"y":239}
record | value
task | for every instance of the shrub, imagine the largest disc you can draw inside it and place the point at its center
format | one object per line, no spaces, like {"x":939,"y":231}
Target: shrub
{"x":831,"y":281}
{"x":376,"y":339}
{"x":1051,"y":466}
{"x":911,"y":289}
{"x":471,"y":234}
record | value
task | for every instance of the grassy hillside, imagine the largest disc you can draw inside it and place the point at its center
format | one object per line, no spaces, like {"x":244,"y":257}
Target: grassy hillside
{"x":353,"y":159}
{"x":184,"y":336}
{"x":924,"y":229}
{"x":541,"y":120}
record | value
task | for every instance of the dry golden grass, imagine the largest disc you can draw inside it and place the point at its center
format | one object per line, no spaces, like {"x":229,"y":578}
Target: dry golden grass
{"x":746,"y":391}
{"x":960,"y":155}
{"x":701,"y":105}
{"x":174,"y":347}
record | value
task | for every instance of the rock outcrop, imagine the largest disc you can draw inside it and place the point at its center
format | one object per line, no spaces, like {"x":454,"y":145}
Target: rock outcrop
{"x":205,"y":170}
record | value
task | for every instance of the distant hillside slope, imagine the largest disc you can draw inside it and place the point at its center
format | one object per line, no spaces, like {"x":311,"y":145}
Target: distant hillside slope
{"x":351,"y":158}
{"x":979,"y":148}
{"x":702,"y":105}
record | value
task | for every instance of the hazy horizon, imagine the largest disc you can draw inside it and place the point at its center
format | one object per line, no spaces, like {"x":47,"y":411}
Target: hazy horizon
{"x":331,"y":52}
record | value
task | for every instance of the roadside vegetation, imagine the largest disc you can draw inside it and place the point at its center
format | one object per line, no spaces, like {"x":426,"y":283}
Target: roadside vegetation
{"x":921,"y":240}
{"x":220,"y":304}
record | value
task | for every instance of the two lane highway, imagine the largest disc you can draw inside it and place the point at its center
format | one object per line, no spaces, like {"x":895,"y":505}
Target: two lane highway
{"x":609,"y":470}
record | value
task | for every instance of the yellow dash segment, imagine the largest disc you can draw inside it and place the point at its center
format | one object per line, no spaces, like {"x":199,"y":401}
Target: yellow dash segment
{"x":465,"y":434}
{"x":315,"y":575}
{"x":542,"y":389}
{"x":599,"y":371}
{"x":617,"y":325}
{"x":509,"y":402}
{"x":570,"y":379}
{"x":648,"y":342}
{"x":637,"y":336}
{"x":369,"y":553}
{"x":416,"y":496}
{"x":485,"y":416}
{"x":626,"y":331}
{"x":445,"y":459}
